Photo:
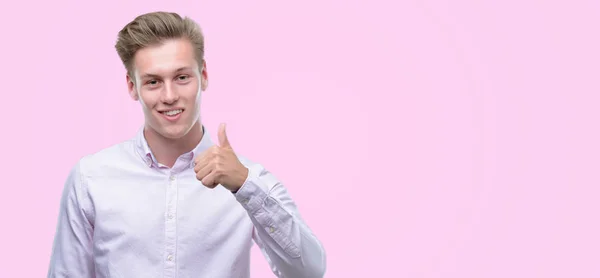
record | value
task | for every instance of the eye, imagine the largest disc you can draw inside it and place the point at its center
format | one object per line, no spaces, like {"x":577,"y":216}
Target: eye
{"x":152,"y":83}
{"x":183,"y":77}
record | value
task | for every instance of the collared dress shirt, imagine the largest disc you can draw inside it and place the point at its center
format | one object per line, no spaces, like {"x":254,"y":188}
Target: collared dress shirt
{"x":124,"y":215}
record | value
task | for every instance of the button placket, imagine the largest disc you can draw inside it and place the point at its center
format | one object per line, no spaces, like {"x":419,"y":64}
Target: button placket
{"x":170,"y":225}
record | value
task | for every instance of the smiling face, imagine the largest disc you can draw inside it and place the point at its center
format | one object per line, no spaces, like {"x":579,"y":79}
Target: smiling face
{"x":168,"y":82}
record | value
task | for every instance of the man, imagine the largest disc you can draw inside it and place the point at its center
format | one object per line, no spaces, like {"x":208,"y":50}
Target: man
{"x":169,"y":202}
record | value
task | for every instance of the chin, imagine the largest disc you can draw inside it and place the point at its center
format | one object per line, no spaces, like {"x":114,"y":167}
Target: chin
{"x":174,"y":132}
{"x":170,"y":131}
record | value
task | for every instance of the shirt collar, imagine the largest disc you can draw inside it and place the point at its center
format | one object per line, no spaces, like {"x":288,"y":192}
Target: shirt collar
{"x":146,"y":154}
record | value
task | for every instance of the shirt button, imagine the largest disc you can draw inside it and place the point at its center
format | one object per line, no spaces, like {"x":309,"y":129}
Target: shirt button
{"x":170,"y":258}
{"x":172,"y":178}
{"x":271,"y":229}
{"x":170,"y":216}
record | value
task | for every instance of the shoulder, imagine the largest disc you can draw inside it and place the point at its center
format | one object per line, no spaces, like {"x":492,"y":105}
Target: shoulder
{"x":260,"y":172}
{"x":250,"y":164}
{"x":114,"y":156}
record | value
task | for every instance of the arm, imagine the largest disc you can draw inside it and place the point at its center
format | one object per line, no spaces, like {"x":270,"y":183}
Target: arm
{"x":72,"y":247}
{"x":285,"y":240}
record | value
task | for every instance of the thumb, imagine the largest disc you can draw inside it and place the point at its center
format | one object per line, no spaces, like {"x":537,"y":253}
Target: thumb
{"x":223,"y":141}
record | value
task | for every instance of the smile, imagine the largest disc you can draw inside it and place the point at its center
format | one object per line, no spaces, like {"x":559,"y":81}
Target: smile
{"x":172,"y":112}
{"x":172,"y":115}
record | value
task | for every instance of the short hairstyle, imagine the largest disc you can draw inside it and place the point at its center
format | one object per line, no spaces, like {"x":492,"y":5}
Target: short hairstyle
{"x":153,"y":29}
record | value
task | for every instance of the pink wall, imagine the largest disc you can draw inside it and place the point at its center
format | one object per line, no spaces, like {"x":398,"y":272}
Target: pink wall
{"x":419,"y":138}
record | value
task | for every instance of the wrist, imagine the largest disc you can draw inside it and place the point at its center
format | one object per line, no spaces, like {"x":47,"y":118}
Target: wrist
{"x":241,"y":180}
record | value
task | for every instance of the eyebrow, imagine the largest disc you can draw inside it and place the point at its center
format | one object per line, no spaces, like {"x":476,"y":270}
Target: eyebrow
{"x":147,"y":75}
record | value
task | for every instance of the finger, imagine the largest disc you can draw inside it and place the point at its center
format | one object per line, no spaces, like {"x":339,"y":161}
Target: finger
{"x":223,"y":141}
{"x":204,"y":171}
{"x":204,"y":158}
{"x":210,"y":180}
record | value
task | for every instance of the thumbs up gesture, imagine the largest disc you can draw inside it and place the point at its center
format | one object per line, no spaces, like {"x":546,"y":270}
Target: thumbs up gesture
{"x":219,"y":165}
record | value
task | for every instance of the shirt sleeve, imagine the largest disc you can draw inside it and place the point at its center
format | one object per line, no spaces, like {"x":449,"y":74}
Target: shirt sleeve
{"x":72,"y":247}
{"x":288,"y":244}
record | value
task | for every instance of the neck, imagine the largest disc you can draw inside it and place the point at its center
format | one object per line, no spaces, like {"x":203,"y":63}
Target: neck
{"x":167,"y":150}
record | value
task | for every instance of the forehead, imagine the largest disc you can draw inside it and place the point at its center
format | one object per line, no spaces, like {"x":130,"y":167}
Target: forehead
{"x":165,"y":58}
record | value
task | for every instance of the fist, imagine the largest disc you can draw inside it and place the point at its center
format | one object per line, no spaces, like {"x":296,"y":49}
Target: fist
{"x":219,"y":165}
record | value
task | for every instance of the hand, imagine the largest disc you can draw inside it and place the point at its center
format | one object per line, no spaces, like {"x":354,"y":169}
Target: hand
{"x":219,"y":165}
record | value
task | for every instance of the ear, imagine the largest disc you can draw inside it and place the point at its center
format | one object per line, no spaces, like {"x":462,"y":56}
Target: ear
{"x":203,"y":76}
{"x":131,"y":88}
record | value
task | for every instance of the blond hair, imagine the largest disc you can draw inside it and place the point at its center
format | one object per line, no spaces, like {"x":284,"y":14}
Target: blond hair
{"x":153,"y":29}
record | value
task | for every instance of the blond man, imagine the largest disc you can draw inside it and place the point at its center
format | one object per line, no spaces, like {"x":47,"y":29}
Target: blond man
{"x":169,"y":202}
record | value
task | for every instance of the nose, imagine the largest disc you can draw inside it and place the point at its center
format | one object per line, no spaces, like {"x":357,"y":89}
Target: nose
{"x":169,"y":94}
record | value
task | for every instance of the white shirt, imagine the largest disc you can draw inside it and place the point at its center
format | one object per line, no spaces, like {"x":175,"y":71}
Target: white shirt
{"x":124,"y":215}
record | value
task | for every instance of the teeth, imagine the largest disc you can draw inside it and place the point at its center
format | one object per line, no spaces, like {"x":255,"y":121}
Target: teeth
{"x":173,"y":112}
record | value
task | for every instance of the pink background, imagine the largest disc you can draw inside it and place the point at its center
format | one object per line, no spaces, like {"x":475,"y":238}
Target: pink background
{"x":419,"y":138}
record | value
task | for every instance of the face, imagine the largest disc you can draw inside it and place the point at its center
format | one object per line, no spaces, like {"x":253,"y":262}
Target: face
{"x":168,"y":83}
